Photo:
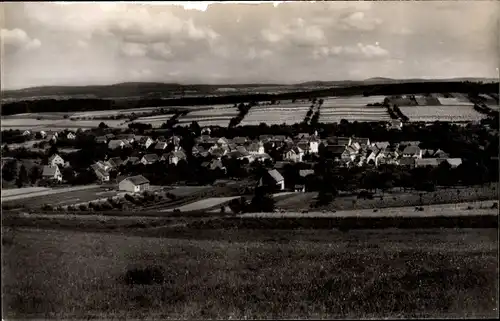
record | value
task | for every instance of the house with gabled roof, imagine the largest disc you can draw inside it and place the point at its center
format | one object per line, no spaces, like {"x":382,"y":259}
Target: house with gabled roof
{"x":145,"y":142}
{"x":175,"y":140}
{"x":52,"y":173}
{"x":272,"y":179}
{"x":306,"y":172}
{"x":255,"y":148}
{"x":440,"y":154}
{"x":116,"y":162}
{"x":412,"y":151}
{"x":339,"y":141}
{"x":101,"y":174}
{"x":349,"y":154}
{"x":134,"y":184}
{"x":27,"y":133}
{"x":71,"y":136}
{"x":381,"y":145}
{"x":174,"y":157}
{"x":118,"y":143}
{"x":56,"y":160}
{"x":133,"y":160}
{"x":149,"y":159}
{"x":454,"y":162}
{"x":161,"y":146}
{"x":293,"y":154}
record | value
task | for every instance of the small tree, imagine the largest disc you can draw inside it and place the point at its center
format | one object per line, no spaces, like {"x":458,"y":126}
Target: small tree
{"x":9,"y":171}
{"x":35,"y":174}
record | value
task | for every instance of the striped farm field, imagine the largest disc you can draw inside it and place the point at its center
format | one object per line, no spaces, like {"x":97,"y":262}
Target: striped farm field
{"x":216,"y":115}
{"x":354,"y":113}
{"x":42,"y":124}
{"x":274,"y":115}
{"x":351,"y":101}
{"x":22,"y":191}
{"x":448,"y":113}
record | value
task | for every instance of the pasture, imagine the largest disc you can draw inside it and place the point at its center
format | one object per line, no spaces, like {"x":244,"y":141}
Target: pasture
{"x":449,"y":113}
{"x":251,"y":274}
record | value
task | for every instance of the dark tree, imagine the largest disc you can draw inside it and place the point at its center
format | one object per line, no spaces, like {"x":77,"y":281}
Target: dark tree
{"x":102,"y":125}
{"x":35,"y":174}
{"x":22,"y":177}
{"x":9,"y":171}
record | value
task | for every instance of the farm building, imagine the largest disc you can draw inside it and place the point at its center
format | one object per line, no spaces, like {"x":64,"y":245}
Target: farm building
{"x":272,"y":179}
{"x":56,"y":160}
{"x":149,"y":159}
{"x":134,"y":184}
{"x":52,"y":173}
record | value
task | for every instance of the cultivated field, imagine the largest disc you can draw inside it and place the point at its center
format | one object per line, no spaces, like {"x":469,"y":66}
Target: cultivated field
{"x":354,"y":108}
{"x":442,"y":113}
{"x":47,"y":124}
{"x":184,"y":191}
{"x":32,"y":192}
{"x":217,"y":115}
{"x":288,"y":113}
{"x":252,"y":274}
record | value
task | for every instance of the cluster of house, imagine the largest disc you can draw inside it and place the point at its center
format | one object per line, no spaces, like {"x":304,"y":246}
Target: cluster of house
{"x":51,"y":136}
{"x":52,"y":171}
{"x":360,"y":151}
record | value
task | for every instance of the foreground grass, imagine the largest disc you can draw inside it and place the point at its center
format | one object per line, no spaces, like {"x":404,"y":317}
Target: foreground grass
{"x":272,"y":274}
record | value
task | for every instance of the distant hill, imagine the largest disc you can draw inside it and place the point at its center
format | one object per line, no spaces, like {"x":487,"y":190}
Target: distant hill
{"x":171,"y":90}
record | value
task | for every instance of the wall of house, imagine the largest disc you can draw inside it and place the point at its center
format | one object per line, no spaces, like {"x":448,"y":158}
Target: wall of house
{"x":126,"y":185}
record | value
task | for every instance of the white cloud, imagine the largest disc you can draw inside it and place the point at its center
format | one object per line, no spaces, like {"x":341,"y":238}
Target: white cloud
{"x":358,"y":51}
{"x":134,"y":49}
{"x":360,"y":21}
{"x":18,"y":39}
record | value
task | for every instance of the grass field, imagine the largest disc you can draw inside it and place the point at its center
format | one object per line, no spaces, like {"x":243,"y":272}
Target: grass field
{"x":394,"y":198}
{"x":51,"y":124}
{"x":22,"y":191}
{"x":253,"y":274}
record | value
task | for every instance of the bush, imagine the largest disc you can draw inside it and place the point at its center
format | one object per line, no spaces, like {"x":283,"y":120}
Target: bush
{"x":495,"y":205}
{"x":83,"y":207}
{"x":148,"y":275}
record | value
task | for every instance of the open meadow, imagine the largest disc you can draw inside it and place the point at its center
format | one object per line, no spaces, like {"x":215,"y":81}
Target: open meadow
{"x":251,"y":274}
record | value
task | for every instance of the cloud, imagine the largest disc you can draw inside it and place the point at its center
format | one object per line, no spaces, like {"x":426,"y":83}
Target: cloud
{"x":355,"y":52}
{"x":297,"y":32}
{"x":18,"y":39}
{"x":134,"y":49}
{"x":360,"y":21}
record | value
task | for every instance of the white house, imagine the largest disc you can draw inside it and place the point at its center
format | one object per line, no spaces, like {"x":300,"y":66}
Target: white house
{"x":145,"y":142}
{"x":26,"y":133}
{"x":56,"y":160}
{"x":256,"y":148}
{"x":52,"y":173}
{"x":101,"y":174}
{"x":71,"y":136}
{"x":314,"y":145}
{"x":134,"y":184}
{"x":293,"y":154}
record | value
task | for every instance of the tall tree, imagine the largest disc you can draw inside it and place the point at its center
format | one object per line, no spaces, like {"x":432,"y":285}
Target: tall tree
{"x":22,"y":177}
{"x":35,"y":174}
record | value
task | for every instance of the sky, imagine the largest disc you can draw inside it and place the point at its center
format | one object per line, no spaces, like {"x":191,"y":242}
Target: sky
{"x":105,"y":43}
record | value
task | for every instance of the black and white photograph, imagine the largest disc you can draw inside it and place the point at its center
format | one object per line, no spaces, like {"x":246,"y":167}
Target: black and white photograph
{"x":250,"y":160}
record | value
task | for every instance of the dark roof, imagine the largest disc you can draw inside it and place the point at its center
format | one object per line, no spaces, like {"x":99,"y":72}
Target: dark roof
{"x":161,"y":145}
{"x":151,"y":157}
{"x":412,"y":150}
{"x":335,"y":149}
{"x":179,"y":154}
{"x":138,"y":180}
{"x":239,"y":140}
{"x":116,"y":161}
{"x":361,"y":140}
{"x":144,"y":139}
{"x":133,"y":160}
